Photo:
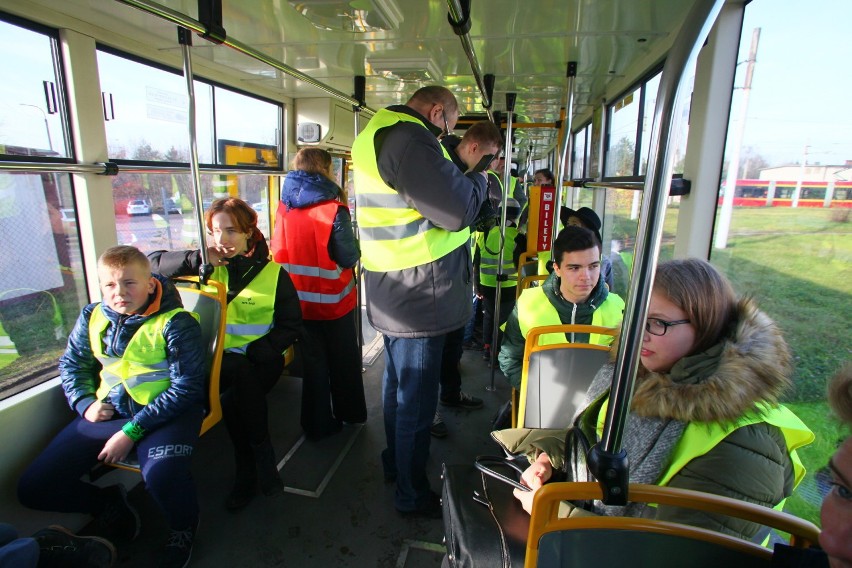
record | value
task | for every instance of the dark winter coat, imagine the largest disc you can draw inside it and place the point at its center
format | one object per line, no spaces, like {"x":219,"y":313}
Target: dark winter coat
{"x":287,"y":320}
{"x":80,"y":370}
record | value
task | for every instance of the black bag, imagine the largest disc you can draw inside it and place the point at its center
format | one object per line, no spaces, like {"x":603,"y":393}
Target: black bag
{"x":483,"y":522}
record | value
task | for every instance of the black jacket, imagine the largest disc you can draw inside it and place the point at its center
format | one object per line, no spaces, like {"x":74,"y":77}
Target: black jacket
{"x":287,"y":320}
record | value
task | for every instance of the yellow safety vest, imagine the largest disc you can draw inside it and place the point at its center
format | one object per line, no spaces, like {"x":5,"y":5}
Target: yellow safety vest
{"x":394,"y":236}
{"x":8,"y":352}
{"x":535,"y":310}
{"x":144,"y":368}
{"x":250,"y":313}
{"x":699,"y":438}
{"x":489,"y":261}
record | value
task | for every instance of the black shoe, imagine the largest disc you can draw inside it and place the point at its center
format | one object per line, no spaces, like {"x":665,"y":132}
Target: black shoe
{"x":178,"y":549}
{"x":245,"y":482}
{"x":463,"y":401}
{"x":438,"y":428}
{"x":119,"y":520}
{"x":471,"y":346}
{"x":60,"y":548}
{"x":267,"y":468}
{"x":431,"y":509}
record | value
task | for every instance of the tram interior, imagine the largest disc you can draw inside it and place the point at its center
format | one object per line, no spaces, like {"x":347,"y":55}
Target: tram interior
{"x":336,"y":509}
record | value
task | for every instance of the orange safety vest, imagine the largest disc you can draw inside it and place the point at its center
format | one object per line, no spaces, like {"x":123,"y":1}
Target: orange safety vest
{"x":300,"y":245}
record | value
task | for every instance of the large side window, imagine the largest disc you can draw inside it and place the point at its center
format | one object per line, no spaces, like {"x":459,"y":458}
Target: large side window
{"x":32,"y":107}
{"x":147,"y":122}
{"x":42,"y":283}
{"x":783,"y":232}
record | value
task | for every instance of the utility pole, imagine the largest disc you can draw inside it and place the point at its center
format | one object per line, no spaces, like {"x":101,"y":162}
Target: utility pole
{"x":798,"y":191}
{"x":46,"y":125}
{"x":724,"y":225}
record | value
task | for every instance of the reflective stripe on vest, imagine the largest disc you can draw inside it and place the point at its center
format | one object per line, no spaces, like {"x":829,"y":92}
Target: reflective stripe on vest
{"x":394,"y":236}
{"x":535,"y":310}
{"x":488,"y":260}
{"x":144,"y":367}
{"x":326,"y":291}
{"x":250,"y":313}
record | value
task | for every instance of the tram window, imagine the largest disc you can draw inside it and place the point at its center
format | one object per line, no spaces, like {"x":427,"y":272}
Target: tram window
{"x":42,"y":283}
{"x":792,"y":253}
{"x":249,"y":120}
{"x":581,"y":153}
{"x":148,"y":112}
{"x":621,"y":146}
{"x":650,"y":100}
{"x":31,"y":108}
{"x":168,"y":223}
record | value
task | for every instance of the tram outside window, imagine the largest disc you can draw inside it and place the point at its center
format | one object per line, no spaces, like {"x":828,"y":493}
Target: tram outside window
{"x":31,"y":106}
{"x":42,"y":282}
{"x":795,"y":260}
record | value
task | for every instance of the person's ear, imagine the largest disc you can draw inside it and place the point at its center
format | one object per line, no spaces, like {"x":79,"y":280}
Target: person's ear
{"x":152,"y":284}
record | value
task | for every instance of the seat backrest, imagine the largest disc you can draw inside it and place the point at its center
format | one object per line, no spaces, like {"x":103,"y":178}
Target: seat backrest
{"x":581,"y":540}
{"x":555,"y":378}
{"x":211,"y":309}
{"x":525,"y":282}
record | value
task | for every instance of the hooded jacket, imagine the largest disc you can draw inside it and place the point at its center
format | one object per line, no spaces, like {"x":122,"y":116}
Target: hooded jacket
{"x":287,"y":320}
{"x":511,"y":356}
{"x":721,"y":385}
{"x":430,"y":299}
{"x":80,"y":370}
{"x":301,"y":190}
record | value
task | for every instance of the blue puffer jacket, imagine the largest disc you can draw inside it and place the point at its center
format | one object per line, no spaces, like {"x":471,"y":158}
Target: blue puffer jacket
{"x":301,"y":190}
{"x":80,"y":371}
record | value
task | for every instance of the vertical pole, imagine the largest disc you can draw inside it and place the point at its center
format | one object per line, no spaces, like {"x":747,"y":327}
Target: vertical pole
{"x":770,"y":193}
{"x":829,"y":194}
{"x":360,"y":90}
{"x":185,"y":41}
{"x":566,"y":143}
{"x":507,"y":175}
{"x":724,"y":225}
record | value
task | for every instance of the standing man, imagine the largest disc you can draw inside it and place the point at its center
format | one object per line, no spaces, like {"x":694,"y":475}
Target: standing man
{"x":415,"y":207}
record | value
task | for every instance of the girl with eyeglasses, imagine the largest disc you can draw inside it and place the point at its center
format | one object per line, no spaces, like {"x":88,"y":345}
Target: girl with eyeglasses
{"x":704,"y":414}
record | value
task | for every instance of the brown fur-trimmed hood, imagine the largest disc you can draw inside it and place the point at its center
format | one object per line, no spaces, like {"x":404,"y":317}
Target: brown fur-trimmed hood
{"x":754,"y":366}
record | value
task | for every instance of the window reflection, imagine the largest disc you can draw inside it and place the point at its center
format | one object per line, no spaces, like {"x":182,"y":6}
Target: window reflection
{"x":42,"y":286}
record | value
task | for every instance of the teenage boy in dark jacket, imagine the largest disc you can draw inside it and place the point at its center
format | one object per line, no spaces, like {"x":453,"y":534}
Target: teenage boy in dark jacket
{"x":134,"y":372}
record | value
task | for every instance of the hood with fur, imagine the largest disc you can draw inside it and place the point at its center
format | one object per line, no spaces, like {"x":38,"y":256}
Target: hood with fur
{"x":753,"y":365}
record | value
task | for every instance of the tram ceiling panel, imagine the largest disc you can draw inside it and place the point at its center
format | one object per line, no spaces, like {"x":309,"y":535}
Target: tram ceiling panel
{"x":401,"y":45}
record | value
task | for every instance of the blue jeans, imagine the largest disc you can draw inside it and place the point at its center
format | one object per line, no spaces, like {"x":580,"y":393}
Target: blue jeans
{"x":471,"y":323}
{"x":409,"y":399}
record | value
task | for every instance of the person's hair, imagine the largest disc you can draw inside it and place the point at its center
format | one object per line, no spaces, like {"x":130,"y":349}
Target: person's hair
{"x":706,"y":296}
{"x":840,"y":393}
{"x":122,"y":255}
{"x":434,"y":95}
{"x":572,"y":239}
{"x":483,"y":132}
{"x":545,"y":172}
{"x":243,"y":216}
{"x":313,"y":161}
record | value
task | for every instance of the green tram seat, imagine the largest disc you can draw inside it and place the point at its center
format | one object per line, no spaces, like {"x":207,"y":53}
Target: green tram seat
{"x":555,"y":378}
{"x":583,"y":540}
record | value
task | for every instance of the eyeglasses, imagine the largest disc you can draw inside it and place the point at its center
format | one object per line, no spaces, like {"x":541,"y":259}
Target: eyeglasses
{"x":446,"y":124}
{"x":656,"y":326}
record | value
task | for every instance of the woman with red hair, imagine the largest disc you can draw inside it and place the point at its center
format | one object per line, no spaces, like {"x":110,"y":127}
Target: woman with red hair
{"x":263,"y":320}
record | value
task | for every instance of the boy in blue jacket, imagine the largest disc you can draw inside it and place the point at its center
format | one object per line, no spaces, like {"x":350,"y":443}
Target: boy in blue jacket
{"x":134,"y":372}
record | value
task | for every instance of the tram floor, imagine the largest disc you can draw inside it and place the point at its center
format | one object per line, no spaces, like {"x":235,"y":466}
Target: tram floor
{"x":336,"y":510}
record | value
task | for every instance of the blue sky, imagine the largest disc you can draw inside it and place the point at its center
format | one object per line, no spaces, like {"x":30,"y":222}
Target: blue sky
{"x":802,"y":85}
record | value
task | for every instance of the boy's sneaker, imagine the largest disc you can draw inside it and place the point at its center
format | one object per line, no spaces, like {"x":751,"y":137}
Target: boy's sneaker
{"x":438,"y":428}
{"x":119,"y":520}
{"x":178,"y":549}
{"x":463,"y":401}
{"x":60,"y":548}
